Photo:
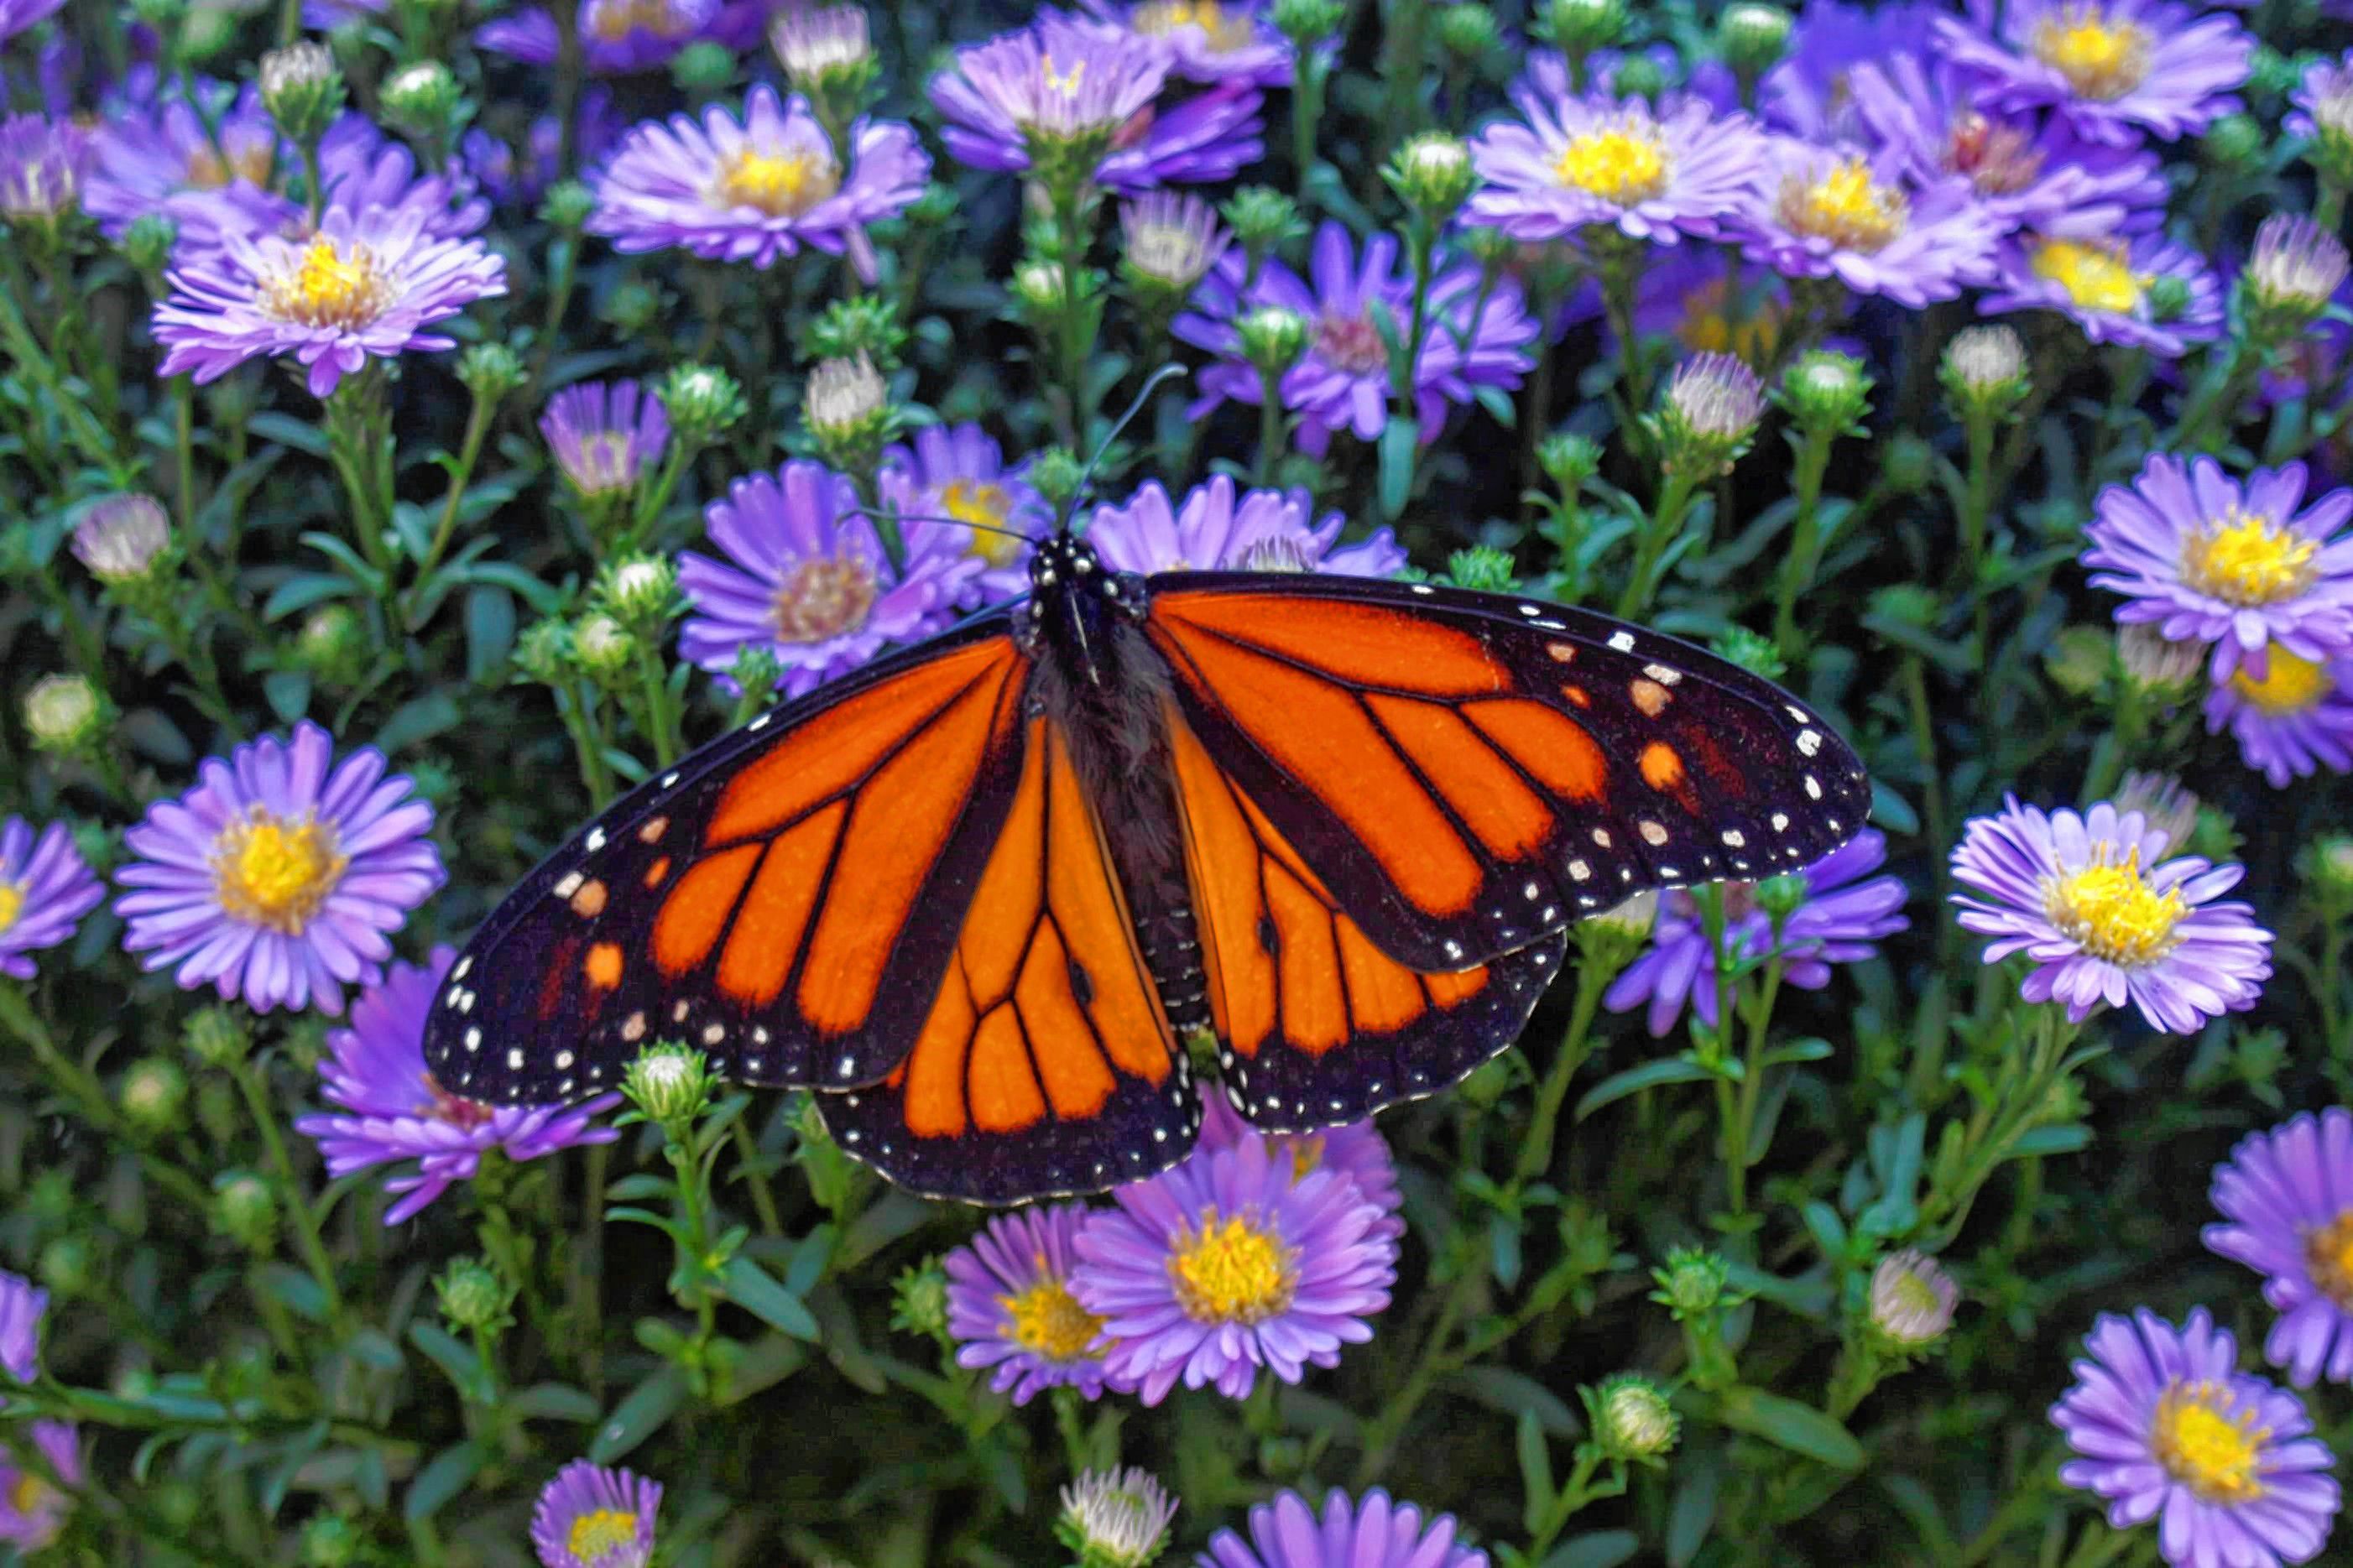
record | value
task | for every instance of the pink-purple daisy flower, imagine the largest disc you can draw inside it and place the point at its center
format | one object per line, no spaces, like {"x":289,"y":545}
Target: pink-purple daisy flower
{"x":805,"y":576}
{"x":2089,"y":899}
{"x":2114,"y":68}
{"x":1010,"y":1306}
{"x":617,"y":37}
{"x":758,"y":188}
{"x":32,"y":1511}
{"x":2291,"y":722}
{"x":1357,"y":1151}
{"x":1862,"y":219}
{"x":2107,"y":285}
{"x":1224,"y":1264}
{"x":2207,"y":559}
{"x":367,"y":284}
{"x":959,"y":472}
{"x":1343,"y":383}
{"x":279,"y":877}
{"x":1577,"y":162}
{"x":22,"y":1306}
{"x":1216,"y":528}
{"x":1844,"y":912}
{"x":44,"y":164}
{"x":604,"y":436}
{"x":1371,"y":1533}
{"x":592,"y":1516}
{"x":44,"y":890}
{"x":393,"y":1109}
{"x":2167,"y":1428}
{"x":157,"y":158}
{"x":17,"y":16}
{"x":1210,"y":41}
{"x":2286,"y":1198}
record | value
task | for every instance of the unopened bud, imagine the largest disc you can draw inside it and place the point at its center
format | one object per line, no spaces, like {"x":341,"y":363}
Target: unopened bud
{"x":303,"y":88}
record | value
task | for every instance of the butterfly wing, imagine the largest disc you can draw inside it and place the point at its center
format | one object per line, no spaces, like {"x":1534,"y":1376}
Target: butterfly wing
{"x":1315,"y":1025}
{"x":1467,"y":772}
{"x":781,"y":899}
{"x":1046,"y":1065}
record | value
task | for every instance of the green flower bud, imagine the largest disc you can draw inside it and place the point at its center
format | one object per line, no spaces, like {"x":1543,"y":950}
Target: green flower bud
{"x":631,"y":309}
{"x":544,"y":652}
{"x":566,"y":206}
{"x":491,"y":370}
{"x":1692,"y":1284}
{"x":1633,"y":916}
{"x":1630,"y":1419}
{"x":1468,"y":31}
{"x":1753,"y":37}
{"x":154,"y":1093}
{"x":215,"y":1036}
{"x":1639,"y":76}
{"x":1272,"y":338}
{"x":246,"y":1211}
{"x":422,"y":99}
{"x":868,"y":326}
{"x":601,"y":646}
{"x":472,"y":1296}
{"x":1481,"y":567}
{"x":1488,"y":1082}
{"x":703,"y":68}
{"x":1262,"y":218}
{"x":669,"y":1083}
{"x":1908,"y":461}
{"x":332,"y":644}
{"x":1308,"y":21}
{"x":1911,"y":1300}
{"x":1433,"y":172}
{"x":66,"y":1266}
{"x":756,"y":670}
{"x":827,"y":52}
{"x":1826,"y":393}
{"x":2330,"y":866}
{"x":919,"y":1300}
{"x":1984,"y":372}
{"x":704,"y":403}
{"x":303,"y":88}
{"x":1782,"y":896}
{"x":938,"y":206}
{"x":1057,"y":474}
{"x":147,"y":244}
{"x":1708,"y":415}
{"x":1568,"y":460}
{"x":847,"y":408}
{"x":640,"y":592}
{"x":1115,"y":1519}
{"x":1578,"y":27}
{"x":2235,"y":141}
{"x":1752,"y":651}
{"x":1608,"y":941}
{"x":1906,"y":605}
{"x":2168,"y":296}
{"x":331,"y":1541}
{"x":1037,"y":289}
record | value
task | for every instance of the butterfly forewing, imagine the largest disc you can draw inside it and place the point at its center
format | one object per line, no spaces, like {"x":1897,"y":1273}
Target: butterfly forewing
{"x":780,"y":899}
{"x":1466,"y":772}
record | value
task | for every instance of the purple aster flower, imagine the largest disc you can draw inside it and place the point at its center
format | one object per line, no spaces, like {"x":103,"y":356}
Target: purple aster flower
{"x":1212,"y":529}
{"x":1371,"y":1533}
{"x":605,"y":435}
{"x":1211,"y":41}
{"x":758,"y":189}
{"x":803,"y":575}
{"x":1010,"y":1307}
{"x":2104,"y":919}
{"x":1357,"y":1151}
{"x":376,"y":1070}
{"x":1859,"y":218}
{"x":590,"y":1516}
{"x":2207,"y":559}
{"x":959,"y":472}
{"x":1840,"y":919}
{"x":157,"y":158}
{"x":2324,"y":100}
{"x":1343,"y":384}
{"x":44,"y":164}
{"x":2168,"y":1428}
{"x":2290,"y":721}
{"x":44,"y":890}
{"x":279,"y":877}
{"x":1601,"y":160}
{"x":617,"y":37}
{"x":2287,"y":1196}
{"x":22,"y":1306}
{"x":1226,"y":1264}
{"x":367,"y":283}
{"x":2114,"y":69}
{"x":16,"y":15}
{"x":1203,"y":140}
{"x":1810,"y":93}
{"x":32,"y":1511}
{"x":2104,"y":283}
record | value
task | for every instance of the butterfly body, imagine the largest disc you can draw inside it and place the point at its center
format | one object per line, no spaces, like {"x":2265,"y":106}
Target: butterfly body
{"x":977,"y":894}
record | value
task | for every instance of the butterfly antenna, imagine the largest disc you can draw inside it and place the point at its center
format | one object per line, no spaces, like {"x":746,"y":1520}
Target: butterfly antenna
{"x":876,"y":514}
{"x":1152,"y":384}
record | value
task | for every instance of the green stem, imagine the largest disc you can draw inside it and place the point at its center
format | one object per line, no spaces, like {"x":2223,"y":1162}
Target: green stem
{"x":1270,"y":423}
{"x":469,"y":452}
{"x":1536,"y":1154}
{"x":1752,"y":1081}
{"x":1804,"y":559}
{"x":748,"y":1166}
{"x":297,"y":1202}
{"x":89,"y":1096}
{"x":1307,"y":108}
{"x":1932,"y":782}
{"x":1666,"y":521}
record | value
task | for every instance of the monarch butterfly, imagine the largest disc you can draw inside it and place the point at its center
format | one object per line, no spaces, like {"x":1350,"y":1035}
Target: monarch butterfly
{"x":976,"y":893}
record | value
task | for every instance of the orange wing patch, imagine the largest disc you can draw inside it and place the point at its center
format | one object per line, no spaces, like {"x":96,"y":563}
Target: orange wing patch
{"x":1369,"y":644}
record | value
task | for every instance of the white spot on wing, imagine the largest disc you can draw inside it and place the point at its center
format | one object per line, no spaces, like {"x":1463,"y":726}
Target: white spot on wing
{"x":1622,"y":641}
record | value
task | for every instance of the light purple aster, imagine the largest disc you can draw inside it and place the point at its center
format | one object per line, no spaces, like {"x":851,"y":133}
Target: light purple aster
{"x":2114,"y":69}
{"x":1226,"y":1264}
{"x":1210,"y":41}
{"x":2287,"y":1198}
{"x":2294,"y":720}
{"x":1810,"y":93}
{"x":2323,"y":97}
{"x":155,"y":158}
{"x":1840,"y":919}
{"x":805,"y":576}
{"x":1010,"y":1307}
{"x":756,"y":189}
{"x":1215,"y":530}
{"x":2207,"y":559}
{"x":1373,"y":1532}
{"x":2104,"y":919}
{"x":2105,"y":284}
{"x":959,"y":472}
{"x":32,"y":1511}
{"x":604,"y":435}
{"x":43,"y":164}
{"x":591,"y":1517}
{"x":365,"y":284}
{"x":2167,"y":1428}
{"x":16,"y":15}
{"x":1343,"y":383}
{"x":1601,"y":160}
{"x":280,"y":875}
{"x":44,"y":890}
{"x":22,"y":1306}
{"x":375,"y":1071}
{"x":617,"y":37}
{"x":1862,"y":219}
{"x":1357,"y":1151}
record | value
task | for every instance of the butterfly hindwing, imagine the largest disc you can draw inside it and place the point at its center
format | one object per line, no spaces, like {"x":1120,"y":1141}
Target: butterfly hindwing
{"x":1468,"y":772}
{"x":1046,"y":1064}
{"x":783,"y":899}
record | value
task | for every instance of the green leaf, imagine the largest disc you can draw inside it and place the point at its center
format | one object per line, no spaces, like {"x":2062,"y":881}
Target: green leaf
{"x":756,"y":1290}
{"x":420,"y":719}
{"x":1399,"y":439}
{"x":1700,"y":1477}
{"x":1812,"y":1050}
{"x":1596,"y":1548}
{"x":289,"y":431}
{"x":554,"y":1402}
{"x":303,"y":590}
{"x":451,"y":1471}
{"x":294,"y":1291}
{"x":2070,"y":1138}
{"x":1536,"y":1472}
{"x":490,"y":630}
{"x":639,"y":1416}
{"x":1516,"y":1394}
{"x":374,"y":1348}
{"x":1801,"y":1428}
{"x":1634,"y":1080}
{"x":299,"y":1451}
{"x":457,"y":1361}
{"x":288,"y":693}
{"x":413,"y":528}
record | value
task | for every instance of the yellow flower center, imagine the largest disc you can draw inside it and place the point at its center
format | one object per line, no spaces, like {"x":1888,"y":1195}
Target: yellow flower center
{"x":2206,"y":1445}
{"x":2328,"y":1253}
{"x":269,"y":871}
{"x":1715,"y":323}
{"x":781,"y":184}
{"x":1225,"y":30}
{"x":1306,"y":1155}
{"x":208,"y":170}
{"x":1047,"y":1319}
{"x":29,"y":1495}
{"x":2244,"y":559}
{"x":2112,"y":912}
{"x":617,"y":19}
{"x":1846,"y":206}
{"x":2095,"y":273}
{"x":823,"y":598}
{"x":1623,"y":164}
{"x":1232,"y":1272}
{"x":598,"y":1531}
{"x":2101,"y":59}
{"x":2290,"y":685}
{"x":12,"y":903}
{"x":330,"y":286}
{"x":970,"y":500}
